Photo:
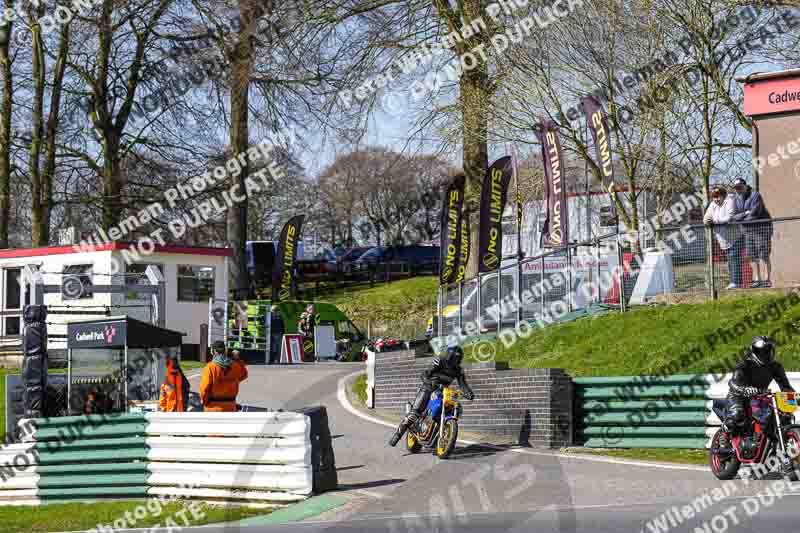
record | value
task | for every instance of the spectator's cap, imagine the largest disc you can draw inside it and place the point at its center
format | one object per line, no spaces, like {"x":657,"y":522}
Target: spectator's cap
{"x":218,"y":346}
{"x":739,"y":183}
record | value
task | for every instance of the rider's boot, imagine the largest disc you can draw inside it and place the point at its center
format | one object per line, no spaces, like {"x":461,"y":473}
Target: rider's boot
{"x":409,"y":419}
{"x":423,"y":394}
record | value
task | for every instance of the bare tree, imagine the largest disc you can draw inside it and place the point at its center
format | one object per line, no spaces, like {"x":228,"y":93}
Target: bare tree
{"x":6,"y":108}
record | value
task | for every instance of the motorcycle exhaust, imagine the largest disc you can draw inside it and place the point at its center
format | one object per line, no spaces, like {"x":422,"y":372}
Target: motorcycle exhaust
{"x":723,"y":451}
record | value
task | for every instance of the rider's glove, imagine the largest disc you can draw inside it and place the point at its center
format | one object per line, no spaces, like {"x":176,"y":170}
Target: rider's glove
{"x":750,"y":391}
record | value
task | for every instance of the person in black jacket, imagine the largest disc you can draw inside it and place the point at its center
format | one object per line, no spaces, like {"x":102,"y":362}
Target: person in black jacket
{"x":440,"y":374}
{"x":751,"y":377}
{"x":750,"y":207}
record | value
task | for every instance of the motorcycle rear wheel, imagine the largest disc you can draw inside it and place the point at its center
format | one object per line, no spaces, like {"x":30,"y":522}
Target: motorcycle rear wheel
{"x":412,"y":444}
{"x":722,"y":466}
{"x":448,"y":441}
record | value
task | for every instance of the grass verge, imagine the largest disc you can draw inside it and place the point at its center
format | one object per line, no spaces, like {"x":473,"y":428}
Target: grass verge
{"x":359,"y":388}
{"x":401,"y":308}
{"x":85,"y":516}
{"x":644,"y":340}
{"x":668,"y":455}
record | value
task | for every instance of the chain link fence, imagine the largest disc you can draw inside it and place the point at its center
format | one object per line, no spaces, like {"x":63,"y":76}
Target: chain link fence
{"x":621,"y":270}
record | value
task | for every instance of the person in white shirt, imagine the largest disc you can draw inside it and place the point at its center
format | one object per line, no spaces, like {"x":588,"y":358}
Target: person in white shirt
{"x":729,"y":236}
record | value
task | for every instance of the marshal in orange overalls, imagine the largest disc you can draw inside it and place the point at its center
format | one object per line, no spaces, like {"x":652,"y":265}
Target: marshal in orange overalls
{"x":220,"y":386}
{"x":175,"y":389}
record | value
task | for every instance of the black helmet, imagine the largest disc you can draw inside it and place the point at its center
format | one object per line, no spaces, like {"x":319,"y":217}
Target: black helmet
{"x":454,"y":356}
{"x":762,"y":350}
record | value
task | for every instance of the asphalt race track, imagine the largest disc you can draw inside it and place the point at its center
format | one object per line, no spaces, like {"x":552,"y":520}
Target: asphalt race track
{"x":486,"y":489}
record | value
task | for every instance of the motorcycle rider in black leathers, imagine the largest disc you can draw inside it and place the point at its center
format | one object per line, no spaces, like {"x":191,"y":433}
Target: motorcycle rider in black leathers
{"x":751,"y":377}
{"x":440,"y":374}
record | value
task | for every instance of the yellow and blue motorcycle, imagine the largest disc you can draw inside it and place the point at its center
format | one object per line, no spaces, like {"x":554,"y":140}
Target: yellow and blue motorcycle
{"x":437,"y":429}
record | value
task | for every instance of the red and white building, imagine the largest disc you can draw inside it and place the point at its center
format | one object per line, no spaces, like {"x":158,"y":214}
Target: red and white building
{"x":192,"y":275}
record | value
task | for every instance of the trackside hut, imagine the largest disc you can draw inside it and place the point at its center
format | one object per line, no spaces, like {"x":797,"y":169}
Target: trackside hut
{"x":191,"y":275}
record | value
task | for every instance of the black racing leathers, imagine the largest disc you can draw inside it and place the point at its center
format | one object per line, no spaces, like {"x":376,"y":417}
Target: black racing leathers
{"x":438,"y":375}
{"x":748,"y":374}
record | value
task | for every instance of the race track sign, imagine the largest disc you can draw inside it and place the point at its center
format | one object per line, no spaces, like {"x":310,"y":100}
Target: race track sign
{"x":292,"y":349}
{"x":97,"y":334}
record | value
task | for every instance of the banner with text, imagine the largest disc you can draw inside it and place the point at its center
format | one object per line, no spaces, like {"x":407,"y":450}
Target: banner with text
{"x":555,"y":225}
{"x":493,"y":202}
{"x":597,"y":120}
{"x":451,"y":232}
{"x":283,"y":272}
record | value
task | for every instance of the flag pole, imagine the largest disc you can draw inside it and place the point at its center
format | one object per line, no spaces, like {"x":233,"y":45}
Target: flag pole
{"x":514,"y":163}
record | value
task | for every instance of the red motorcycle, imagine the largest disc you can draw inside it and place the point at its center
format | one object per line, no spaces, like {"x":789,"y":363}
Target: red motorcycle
{"x":769,"y":430}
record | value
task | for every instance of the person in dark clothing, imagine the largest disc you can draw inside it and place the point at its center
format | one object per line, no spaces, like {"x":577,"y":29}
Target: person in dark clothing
{"x":440,"y":374}
{"x":276,"y":331}
{"x":750,"y":207}
{"x":751,"y":377}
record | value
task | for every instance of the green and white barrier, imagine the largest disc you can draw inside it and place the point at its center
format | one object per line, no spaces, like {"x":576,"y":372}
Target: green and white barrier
{"x":261,"y":457}
{"x":651,"y":411}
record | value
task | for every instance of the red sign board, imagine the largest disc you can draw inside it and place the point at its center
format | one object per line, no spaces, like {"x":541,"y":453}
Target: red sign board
{"x":772,"y":96}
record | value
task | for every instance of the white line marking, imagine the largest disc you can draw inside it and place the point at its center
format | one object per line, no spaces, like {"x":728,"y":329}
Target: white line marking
{"x":341,"y":395}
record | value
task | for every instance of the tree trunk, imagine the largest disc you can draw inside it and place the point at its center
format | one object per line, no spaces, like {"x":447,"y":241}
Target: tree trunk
{"x":236,"y":226}
{"x":49,"y":171}
{"x":5,"y":131}
{"x":37,"y":127}
{"x":474,"y":98}
{"x":112,"y":200}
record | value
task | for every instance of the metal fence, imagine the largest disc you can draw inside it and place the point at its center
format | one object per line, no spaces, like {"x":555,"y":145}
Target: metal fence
{"x":622,"y":270}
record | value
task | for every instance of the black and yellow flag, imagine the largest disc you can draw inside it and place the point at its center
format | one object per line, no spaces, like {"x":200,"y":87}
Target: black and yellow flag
{"x":283,"y":271}
{"x":493,"y":202}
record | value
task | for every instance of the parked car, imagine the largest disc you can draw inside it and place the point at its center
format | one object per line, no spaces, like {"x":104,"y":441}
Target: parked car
{"x":417,"y":259}
{"x":322,"y":264}
{"x":345,"y":262}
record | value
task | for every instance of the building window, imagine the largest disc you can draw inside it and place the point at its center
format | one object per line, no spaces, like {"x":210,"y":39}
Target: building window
{"x":13,"y":301}
{"x":195,"y":283}
{"x":84,"y":274}
{"x":135,"y":275}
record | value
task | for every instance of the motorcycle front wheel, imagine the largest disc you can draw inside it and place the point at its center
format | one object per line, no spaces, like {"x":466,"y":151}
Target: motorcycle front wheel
{"x":447,"y":443}
{"x":412,"y":444}
{"x":722,"y":466}
{"x":791,"y":437}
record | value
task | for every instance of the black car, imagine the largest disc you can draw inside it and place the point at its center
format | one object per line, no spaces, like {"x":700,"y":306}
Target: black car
{"x":344,"y":262}
{"x":414,"y":259}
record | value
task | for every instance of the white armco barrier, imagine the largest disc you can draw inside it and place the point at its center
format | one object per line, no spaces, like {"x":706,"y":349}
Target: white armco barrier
{"x":370,"y":379}
{"x":264,"y":457}
{"x":718,"y":390}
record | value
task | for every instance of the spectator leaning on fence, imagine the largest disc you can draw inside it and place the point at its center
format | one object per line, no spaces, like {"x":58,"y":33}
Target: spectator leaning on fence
{"x":750,"y":207}
{"x":729,"y":236}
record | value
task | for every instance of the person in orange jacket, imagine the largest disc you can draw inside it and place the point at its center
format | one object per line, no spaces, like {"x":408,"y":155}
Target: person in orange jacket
{"x":219,"y":385}
{"x":175,"y":389}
